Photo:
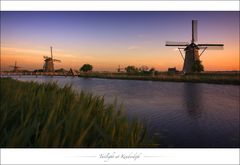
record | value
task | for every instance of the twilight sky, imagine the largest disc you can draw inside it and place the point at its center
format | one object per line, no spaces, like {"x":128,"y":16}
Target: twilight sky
{"x":109,"y":39}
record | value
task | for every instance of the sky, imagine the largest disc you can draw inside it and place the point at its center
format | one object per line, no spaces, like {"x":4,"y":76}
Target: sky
{"x":112,"y":38}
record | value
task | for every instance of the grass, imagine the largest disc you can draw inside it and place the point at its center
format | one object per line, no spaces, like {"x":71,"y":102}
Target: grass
{"x":213,"y":78}
{"x":45,"y":115}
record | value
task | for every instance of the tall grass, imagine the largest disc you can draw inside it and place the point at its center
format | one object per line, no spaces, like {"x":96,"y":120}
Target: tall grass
{"x":45,"y":115}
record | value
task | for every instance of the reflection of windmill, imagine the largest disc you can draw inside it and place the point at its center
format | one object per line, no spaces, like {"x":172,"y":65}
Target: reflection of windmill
{"x":119,"y":69}
{"x":192,"y":50}
{"x":15,"y":67}
{"x":49,"y":63}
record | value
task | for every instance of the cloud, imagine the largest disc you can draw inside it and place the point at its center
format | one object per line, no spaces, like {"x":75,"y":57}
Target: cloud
{"x":134,"y":47}
{"x":22,"y":50}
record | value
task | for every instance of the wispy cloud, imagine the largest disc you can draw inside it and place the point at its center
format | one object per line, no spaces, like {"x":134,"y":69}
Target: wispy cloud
{"x":133,"y":47}
{"x":22,"y":50}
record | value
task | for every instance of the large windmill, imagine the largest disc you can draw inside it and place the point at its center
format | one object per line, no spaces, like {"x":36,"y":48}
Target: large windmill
{"x":192,"y":55}
{"x":49,"y":62}
{"x":15,"y":67}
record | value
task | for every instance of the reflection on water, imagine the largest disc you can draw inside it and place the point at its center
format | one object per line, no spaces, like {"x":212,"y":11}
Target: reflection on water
{"x":192,"y":100}
{"x":182,"y":114}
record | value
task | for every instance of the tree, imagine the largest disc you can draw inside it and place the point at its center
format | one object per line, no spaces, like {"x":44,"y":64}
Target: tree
{"x":86,"y":68}
{"x":152,"y":70}
{"x":131,"y":69}
{"x":143,"y":69}
{"x":197,"y":66}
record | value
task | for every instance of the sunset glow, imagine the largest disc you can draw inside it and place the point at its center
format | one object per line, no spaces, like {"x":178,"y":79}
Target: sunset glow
{"x":109,"y":39}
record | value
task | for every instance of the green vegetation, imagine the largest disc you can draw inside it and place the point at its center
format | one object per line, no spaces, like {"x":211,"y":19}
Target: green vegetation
{"x":197,"y":66}
{"x":131,"y":69}
{"x":86,"y":68}
{"x":143,"y":70}
{"x":205,"y":77}
{"x":45,"y":115}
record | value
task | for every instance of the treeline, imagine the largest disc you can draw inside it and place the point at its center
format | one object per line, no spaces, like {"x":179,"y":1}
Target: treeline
{"x":141,"y":70}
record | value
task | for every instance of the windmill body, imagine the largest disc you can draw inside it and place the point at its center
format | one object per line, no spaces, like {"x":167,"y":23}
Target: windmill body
{"x":191,"y":55}
{"x":49,"y":63}
{"x":192,"y":50}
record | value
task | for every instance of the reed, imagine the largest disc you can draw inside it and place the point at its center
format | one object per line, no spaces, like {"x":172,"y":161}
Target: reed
{"x":45,"y":115}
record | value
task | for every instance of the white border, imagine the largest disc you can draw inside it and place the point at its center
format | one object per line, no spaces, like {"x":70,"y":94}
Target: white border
{"x":120,"y":5}
{"x":92,"y":156}
{"x":146,"y":156}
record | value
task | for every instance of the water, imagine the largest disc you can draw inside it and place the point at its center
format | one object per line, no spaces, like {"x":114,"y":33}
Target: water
{"x":177,"y":114}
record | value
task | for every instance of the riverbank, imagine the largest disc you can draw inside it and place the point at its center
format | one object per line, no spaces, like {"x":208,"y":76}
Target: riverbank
{"x":45,"y":115}
{"x":213,"y":78}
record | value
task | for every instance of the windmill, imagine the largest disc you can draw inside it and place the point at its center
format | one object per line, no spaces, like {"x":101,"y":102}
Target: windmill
{"x":15,"y":67}
{"x":119,"y":69}
{"x":49,"y":62}
{"x":192,"y":55}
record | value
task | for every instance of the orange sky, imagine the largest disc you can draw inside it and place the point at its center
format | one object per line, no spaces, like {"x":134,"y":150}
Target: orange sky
{"x":30,"y":59}
{"x":109,"y":39}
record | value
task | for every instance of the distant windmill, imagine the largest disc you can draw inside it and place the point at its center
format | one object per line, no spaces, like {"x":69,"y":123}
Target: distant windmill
{"x":192,"y":50}
{"x":49,"y":62}
{"x":15,"y":67}
{"x":119,"y":69}
{"x":72,"y":72}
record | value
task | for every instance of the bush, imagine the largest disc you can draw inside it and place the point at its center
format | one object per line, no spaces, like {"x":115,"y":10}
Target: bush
{"x":86,"y":68}
{"x":197,"y":66}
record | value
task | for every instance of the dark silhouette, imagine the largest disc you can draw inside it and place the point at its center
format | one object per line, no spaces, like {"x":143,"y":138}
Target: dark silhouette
{"x":197,"y":66}
{"x":86,"y":68}
{"x":131,"y":69}
{"x":15,"y":67}
{"x":49,"y":62}
{"x":192,"y":61}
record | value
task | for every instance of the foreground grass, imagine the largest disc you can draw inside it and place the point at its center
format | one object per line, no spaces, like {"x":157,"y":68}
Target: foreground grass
{"x":44,"y":115}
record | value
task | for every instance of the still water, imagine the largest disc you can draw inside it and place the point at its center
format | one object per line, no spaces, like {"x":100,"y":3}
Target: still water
{"x":178,"y":114}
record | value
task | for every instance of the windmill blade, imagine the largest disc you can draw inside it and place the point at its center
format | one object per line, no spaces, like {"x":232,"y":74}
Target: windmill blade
{"x":46,"y":57}
{"x":194,"y":30}
{"x":56,"y":60}
{"x":174,"y":43}
{"x":211,"y":47}
{"x":51,"y":52}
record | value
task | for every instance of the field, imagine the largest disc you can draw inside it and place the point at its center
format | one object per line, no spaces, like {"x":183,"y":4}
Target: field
{"x":45,"y":115}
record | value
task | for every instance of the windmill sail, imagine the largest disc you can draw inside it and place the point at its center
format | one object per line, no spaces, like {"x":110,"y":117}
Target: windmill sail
{"x":194,"y":30}
{"x":211,"y":46}
{"x":15,"y":67}
{"x":51,"y":52}
{"x":192,"y":54}
{"x":173,"y":43}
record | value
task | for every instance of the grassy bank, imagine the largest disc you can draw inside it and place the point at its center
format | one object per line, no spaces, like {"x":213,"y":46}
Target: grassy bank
{"x":44,"y":115}
{"x":214,"y":78}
